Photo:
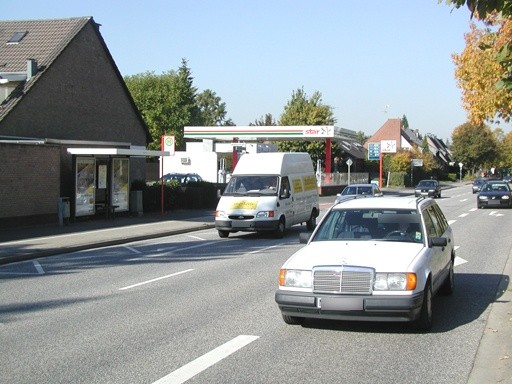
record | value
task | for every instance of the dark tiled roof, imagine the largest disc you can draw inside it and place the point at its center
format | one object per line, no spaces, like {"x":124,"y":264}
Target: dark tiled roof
{"x":43,"y":42}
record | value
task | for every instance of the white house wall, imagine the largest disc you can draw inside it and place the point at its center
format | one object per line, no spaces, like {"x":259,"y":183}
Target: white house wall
{"x":202,"y":163}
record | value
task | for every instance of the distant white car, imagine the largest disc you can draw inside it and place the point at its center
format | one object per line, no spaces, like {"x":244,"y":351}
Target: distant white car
{"x":370,"y":190}
{"x":373,"y":260}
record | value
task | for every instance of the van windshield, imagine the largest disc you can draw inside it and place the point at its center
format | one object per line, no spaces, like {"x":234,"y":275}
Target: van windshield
{"x":252,"y":185}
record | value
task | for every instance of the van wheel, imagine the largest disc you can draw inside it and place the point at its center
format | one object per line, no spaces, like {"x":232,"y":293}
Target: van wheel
{"x":279,"y":232}
{"x":311,"y":223}
{"x":223,"y":234}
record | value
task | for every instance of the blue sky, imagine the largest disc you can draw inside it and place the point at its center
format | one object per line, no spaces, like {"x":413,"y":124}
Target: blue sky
{"x":371,"y":60}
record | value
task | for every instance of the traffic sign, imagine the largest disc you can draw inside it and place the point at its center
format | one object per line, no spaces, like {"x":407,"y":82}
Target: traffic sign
{"x":373,"y":151}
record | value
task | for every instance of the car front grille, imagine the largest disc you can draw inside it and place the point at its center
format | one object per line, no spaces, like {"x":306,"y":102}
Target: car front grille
{"x":343,"y":279}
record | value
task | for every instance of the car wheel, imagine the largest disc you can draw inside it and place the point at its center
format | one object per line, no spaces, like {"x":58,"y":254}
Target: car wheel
{"x":223,"y":234}
{"x":279,"y":232}
{"x":292,"y":320}
{"x":424,"y":321}
{"x":448,"y":284}
{"x":311,"y":223}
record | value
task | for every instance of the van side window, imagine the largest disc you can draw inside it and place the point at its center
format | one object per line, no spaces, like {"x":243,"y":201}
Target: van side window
{"x":285,"y":186}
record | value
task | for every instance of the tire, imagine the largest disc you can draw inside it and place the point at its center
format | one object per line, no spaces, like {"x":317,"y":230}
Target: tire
{"x":292,"y":320}
{"x":448,"y":284}
{"x":424,"y":322}
{"x":223,"y":234}
{"x":279,"y":232}
{"x":311,"y":223}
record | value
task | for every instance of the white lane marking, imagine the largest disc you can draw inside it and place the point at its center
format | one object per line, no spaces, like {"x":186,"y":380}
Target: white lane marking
{"x":196,"y":237}
{"x":263,"y":249}
{"x":463,"y":214}
{"x":450,"y":222}
{"x":133,"y":249}
{"x":495,"y":213}
{"x":463,"y":200}
{"x":185,"y":248}
{"x":473,"y":209}
{"x":38,"y":267}
{"x":156,"y":279}
{"x":207,"y":360}
{"x":459,"y":261}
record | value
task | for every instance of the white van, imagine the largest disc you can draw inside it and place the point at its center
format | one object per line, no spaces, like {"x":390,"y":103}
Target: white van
{"x":269,"y":192}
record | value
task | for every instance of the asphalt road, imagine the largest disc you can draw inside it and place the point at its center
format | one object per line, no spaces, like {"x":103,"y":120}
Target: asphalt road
{"x":200,"y":309}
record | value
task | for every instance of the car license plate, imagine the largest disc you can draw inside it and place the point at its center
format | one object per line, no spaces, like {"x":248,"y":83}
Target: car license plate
{"x":342,"y":304}
{"x":240,"y":224}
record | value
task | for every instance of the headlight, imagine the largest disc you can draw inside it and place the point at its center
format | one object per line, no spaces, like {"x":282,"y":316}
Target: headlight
{"x":220,"y":214}
{"x":265,"y":214}
{"x":295,"y":278}
{"x":483,"y":198}
{"x":395,"y":282}
{"x":506,"y":197}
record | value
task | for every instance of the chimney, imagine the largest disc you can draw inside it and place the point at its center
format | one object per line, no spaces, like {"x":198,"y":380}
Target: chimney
{"x":31,"y":68}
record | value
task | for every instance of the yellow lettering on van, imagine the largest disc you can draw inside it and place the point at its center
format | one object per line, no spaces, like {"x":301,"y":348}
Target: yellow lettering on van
{"x":297,"y":185}
{"x":244,"y":204}
{"x":309,"y":183}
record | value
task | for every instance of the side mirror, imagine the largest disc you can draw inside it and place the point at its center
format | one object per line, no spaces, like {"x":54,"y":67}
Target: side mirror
{"x":437,"y":242}
{"x":285,"y":194}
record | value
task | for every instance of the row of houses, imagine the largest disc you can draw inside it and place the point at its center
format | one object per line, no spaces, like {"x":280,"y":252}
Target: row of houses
{"x":69,"y":128}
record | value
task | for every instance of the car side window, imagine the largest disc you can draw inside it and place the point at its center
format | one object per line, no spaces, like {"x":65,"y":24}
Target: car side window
{"x":436,"y":227}
{"x":285,"y":186}
{"x":441,"y":219}
{"x":429,"y":225}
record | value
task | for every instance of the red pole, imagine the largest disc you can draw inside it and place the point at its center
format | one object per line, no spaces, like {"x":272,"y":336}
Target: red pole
{"x":328,"y":155}
{"x":162,"y":176}
{"x":380,"y":170}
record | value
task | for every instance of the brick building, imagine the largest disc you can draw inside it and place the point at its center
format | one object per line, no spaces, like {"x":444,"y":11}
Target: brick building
{"x":68,"y":124}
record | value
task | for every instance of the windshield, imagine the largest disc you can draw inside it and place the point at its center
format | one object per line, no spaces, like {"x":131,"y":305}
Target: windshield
{"x":359,"y":190}
{"x":253,"y":185}
{"x":490,"y":187}
{"x":427,"y":184}
{"x":371,"y":224}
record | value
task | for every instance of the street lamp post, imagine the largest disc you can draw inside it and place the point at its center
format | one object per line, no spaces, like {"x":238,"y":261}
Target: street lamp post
{"x":460,"y":174}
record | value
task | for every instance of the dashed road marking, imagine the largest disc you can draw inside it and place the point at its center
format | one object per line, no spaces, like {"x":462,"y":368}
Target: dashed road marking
{"x":156,"y":279}
{"x":207,"y":360}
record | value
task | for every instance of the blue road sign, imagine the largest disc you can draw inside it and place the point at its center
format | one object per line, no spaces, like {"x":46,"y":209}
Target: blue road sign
{"x":373,"y":151}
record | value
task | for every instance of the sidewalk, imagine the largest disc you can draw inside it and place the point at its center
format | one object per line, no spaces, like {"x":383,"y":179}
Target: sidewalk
{"x":39,"y":241}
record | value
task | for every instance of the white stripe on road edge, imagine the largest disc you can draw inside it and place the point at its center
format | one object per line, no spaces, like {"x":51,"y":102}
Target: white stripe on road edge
{"x":207,"y":360}
{"x":153,"y":280}
{"x":450,"y":222}
{"x":463,"y":214}
{"x":133,"y":249}
{"x":38,"y":267}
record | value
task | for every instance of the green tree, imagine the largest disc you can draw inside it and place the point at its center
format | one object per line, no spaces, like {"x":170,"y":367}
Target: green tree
{"x":404,"y":123}
{"x":166,"y":102}
{"x":494,"y":12}
{"x":474,"y":145}
{"x":212,"y":109}
{"x":266,"y":120}
{"x":304,"y":110}
{"x":361,"y":137}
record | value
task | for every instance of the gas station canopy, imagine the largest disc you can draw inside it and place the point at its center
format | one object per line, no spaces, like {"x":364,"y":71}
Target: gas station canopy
{"x":273,"y":132}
